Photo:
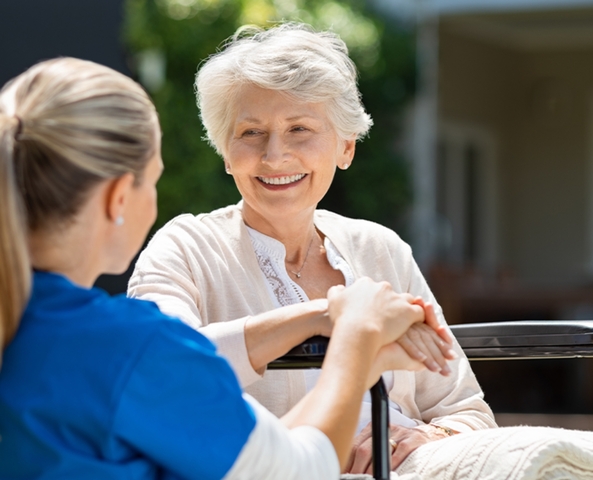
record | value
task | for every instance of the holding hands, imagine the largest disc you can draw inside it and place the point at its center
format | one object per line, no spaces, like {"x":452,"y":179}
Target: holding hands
{"x":410,"y":335}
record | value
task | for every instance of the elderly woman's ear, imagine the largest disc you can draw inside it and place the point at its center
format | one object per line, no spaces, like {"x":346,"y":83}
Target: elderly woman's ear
{"x":347,"y":155}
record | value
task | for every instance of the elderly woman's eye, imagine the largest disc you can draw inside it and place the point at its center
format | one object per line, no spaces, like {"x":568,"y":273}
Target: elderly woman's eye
{"x":299,"y":129}
{"x":249,"y":133}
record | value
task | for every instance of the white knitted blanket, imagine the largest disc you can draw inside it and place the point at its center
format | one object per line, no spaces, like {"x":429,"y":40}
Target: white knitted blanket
{"x":512,"y":453}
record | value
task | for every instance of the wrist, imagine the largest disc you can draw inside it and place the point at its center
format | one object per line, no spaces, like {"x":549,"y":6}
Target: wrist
{"x":361,"y":335}
{"x":317,"y":318}
{"x":445,"y":431}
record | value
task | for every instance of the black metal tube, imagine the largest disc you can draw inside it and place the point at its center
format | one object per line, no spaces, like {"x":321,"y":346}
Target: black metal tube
{"x":380,"y":424}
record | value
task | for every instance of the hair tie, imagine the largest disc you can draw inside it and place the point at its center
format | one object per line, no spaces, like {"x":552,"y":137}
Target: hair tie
{"x":19,"y":127}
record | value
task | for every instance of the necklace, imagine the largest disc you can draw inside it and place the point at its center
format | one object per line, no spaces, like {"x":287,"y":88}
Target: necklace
{"x":298,"y":274}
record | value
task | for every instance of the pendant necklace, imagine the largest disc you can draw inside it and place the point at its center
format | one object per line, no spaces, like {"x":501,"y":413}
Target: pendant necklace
{"x":298,"y":274}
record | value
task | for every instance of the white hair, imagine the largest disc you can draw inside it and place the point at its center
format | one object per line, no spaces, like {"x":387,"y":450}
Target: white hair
{"x":292,"y":58}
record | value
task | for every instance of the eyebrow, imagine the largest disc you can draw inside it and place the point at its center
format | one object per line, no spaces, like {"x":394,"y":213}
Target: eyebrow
{"x":289,"y":119}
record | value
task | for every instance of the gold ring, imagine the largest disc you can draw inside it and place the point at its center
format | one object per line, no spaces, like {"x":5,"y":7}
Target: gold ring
{"x":393,"y":443}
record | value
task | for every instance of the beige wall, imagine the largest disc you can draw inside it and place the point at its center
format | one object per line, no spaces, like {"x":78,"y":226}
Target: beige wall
{"x":542,"y":157}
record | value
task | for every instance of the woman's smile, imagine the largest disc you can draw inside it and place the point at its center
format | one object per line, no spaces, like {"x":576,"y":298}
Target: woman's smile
{"x":277,"y":182}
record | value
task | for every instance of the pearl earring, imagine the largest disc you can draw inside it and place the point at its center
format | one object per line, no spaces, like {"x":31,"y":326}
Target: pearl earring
{"x":119,"y":221}
{"x":227,"y":170}
{"x":345,"y":166}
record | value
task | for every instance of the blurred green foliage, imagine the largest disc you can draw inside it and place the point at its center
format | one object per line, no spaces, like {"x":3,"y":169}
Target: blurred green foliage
{"x":186,"y":32}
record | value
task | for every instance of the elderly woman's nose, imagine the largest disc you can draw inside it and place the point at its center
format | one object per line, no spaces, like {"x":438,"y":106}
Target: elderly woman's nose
{"x":275,"y":150}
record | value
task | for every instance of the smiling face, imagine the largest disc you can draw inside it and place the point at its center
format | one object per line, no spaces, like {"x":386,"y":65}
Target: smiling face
{"x":282,"y":154}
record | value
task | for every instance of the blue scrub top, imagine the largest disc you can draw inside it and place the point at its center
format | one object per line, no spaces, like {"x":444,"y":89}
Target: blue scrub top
{"x":101,"y":387}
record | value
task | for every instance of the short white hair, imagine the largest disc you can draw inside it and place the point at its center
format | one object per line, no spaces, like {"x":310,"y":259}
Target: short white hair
{"x":292,"y":58}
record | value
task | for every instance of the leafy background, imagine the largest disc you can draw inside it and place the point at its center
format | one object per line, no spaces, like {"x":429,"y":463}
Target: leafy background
{"x":185,"y":32}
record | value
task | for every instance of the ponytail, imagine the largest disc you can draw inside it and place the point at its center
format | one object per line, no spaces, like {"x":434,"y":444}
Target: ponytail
{"x":65,"y":126}
{"x":15,"y":268}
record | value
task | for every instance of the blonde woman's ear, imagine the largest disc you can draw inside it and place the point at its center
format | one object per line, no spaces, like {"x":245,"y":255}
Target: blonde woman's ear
{"x":117,"y":196}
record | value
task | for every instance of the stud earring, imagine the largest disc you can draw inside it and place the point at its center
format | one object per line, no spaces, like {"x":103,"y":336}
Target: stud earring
{"x":345,"y":166}
{"x":227,"y":169}
{"x":119,"y":221}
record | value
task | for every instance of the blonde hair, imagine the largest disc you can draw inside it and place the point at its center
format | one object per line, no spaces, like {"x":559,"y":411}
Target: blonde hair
{"x":65,"y":125}
{"x":292,"y":58}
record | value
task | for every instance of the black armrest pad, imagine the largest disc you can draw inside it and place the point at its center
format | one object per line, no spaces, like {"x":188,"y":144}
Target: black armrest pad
{"x":525,"y":333}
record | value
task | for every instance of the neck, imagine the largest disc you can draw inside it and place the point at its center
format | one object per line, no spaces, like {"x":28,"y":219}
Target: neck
{"x":73,"y":249}
{"x":62,"y":253}
{"x":296,"y":232}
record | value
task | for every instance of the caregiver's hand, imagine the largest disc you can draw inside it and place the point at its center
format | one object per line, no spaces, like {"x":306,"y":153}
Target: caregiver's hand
{"x":374,"y":307}
{"x":405,"y":439}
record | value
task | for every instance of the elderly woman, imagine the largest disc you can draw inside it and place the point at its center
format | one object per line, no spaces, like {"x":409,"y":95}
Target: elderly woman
{"x":93,"y":386}
{"x":283,"y":110}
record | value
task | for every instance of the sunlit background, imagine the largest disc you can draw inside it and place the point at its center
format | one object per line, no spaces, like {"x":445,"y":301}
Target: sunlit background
{"x":481,"y":155}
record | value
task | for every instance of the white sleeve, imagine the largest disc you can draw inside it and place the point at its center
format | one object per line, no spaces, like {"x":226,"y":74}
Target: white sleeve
{"x":274,"y":452}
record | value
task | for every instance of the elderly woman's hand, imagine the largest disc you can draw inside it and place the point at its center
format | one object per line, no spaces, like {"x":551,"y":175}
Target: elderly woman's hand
{"x":403,"y":441}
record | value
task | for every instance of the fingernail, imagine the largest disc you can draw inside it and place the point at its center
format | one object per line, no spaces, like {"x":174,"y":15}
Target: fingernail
{"x":446,"y":370}
{"x":421,"y":357}
{"x":433,"y":366}
{"x":452,"y":354}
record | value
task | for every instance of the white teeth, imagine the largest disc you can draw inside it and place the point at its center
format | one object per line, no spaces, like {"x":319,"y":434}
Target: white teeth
{"x":282,"y":180}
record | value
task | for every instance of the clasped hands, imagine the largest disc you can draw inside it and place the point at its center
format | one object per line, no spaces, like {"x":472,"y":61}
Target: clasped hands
{"x":412,"y":339}
{"x":411,"y":336}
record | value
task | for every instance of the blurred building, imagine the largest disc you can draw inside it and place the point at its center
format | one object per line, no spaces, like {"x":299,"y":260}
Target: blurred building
{"x":35,"y":30}
{"x":502,"y":148}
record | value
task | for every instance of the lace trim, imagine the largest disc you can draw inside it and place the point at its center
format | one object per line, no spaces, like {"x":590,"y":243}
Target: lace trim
{"x":270,"y":256}
{"x":276,"y":283}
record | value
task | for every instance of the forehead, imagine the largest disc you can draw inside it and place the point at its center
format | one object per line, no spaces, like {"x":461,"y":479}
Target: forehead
{"x":258,"y":104}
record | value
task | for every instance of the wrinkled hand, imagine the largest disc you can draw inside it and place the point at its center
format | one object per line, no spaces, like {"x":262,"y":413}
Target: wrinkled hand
{"x":407,"y":439}
{"x":429,"y":342}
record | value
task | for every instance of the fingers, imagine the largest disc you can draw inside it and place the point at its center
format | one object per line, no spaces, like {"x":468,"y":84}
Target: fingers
{"x":406,"y":441}
{"x":362,"y":437}
{"x":401,"y":452}
{"x":432,"y":320}
{"x":392,"y":357}
{"x":422,"y":341}
{"x":335,"y":290}
{"x":374,"y":307}
{"x":362,"y":457}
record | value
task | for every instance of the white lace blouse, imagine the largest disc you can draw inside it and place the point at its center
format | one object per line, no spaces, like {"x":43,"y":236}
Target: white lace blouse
{"x":270,"y":255}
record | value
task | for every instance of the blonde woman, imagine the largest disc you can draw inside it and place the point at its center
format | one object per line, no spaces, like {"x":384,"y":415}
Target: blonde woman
{"x":93,"y":386}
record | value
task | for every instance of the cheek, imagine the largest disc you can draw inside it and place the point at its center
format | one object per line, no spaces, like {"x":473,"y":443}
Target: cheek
{"x":146,"y":210}
{"x":152,"y":207}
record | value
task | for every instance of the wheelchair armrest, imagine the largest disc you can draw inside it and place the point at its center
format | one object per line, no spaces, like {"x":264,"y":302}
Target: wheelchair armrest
{"x":526,"y":339}
{"x":308,"y":354}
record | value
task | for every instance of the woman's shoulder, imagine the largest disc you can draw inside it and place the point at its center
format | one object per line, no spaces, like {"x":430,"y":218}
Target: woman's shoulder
{"x":334,"y":224}
{"x":58,"y":305}
{"x":142,"y":318}
{"x":220,"y":222}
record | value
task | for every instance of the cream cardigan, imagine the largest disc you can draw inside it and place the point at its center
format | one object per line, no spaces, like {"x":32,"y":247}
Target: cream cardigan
{"x":203,"y":270}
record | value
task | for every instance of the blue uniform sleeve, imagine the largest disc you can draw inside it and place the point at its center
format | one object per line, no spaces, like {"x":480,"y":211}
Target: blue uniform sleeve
{"x":182,"y":406}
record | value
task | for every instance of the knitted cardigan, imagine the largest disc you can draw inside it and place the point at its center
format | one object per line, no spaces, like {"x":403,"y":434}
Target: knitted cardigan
{"x":203,"y":270}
